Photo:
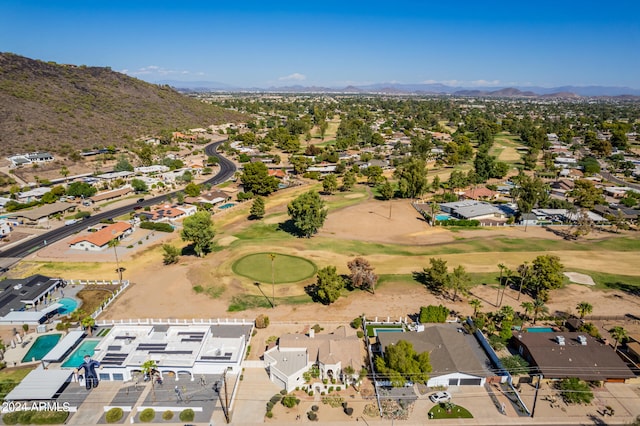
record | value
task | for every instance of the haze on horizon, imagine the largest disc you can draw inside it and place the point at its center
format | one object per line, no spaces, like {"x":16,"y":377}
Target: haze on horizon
{"x":335,"y":44}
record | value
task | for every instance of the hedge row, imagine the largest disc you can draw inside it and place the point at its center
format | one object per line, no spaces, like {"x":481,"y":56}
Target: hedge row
{"x":161,"y":227}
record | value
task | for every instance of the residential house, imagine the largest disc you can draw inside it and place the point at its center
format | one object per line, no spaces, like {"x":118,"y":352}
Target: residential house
{"x":30,"y":158}
{"x":471,"y":209}
{"x":41,"y":214}
{"x":32,"y":195}
{"x":457,"y":359}
{"x":19,"y":295}
{"x":99,"y":240}
{"x":482,"y":193}
{"x":323,"y":168}
{"x":560,"y":355}
{"x":278,"y":173}
{"x":212,"y":197}
{"x":146,"y":170}
{"x":168,"y":213}
{"x":109,"y":195}
{"x":561,"y":187}
{"x":5,"y":228}
{"x":296,"y":353}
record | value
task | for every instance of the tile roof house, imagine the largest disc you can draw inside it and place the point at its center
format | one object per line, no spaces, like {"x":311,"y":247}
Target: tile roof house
{"x":210,"y":197}
{"x":571,"y":354}
{"x":99,"y":240}
{"x":456,"y":357}
{"x":168,"y":213}
{"x":482,"y":193}
{"x":296,"y":353}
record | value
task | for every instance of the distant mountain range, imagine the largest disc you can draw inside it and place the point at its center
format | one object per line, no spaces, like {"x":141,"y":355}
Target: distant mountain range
{"x":426,"y":89}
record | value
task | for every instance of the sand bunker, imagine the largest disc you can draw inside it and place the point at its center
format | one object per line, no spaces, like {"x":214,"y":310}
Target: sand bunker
{"x":576,"y":277}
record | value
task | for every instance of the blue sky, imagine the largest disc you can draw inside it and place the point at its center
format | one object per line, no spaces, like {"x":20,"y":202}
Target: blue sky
{"x":336,"y":43}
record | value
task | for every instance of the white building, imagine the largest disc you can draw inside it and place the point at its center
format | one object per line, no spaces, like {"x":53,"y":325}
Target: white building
{"x":181,"y":351}
{"x":30,"y":158}
{"x":5,"y":228}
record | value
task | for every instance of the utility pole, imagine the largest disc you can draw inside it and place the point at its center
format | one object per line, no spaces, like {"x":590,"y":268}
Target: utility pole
{"x":273,"y":281}
{"x":225,"y":402}
{"x":535,"y":396}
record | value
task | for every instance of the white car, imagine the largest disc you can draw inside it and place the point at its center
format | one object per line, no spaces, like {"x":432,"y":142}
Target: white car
{"x":440,"y":397}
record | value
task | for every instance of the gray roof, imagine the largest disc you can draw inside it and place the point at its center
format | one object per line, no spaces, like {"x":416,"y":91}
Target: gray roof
{"x":40,"y":384}
{"x":450,"y":351}
{"x":290,"y":361}
{"x":14,"y":293}
{"x":44,"y":211}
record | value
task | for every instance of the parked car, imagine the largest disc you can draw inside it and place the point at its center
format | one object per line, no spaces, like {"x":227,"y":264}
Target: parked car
{"x":442,"y":396}
{"x":140,"y":200}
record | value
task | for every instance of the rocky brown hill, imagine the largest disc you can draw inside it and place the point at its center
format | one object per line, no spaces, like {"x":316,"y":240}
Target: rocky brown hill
{"x":67,"y":108}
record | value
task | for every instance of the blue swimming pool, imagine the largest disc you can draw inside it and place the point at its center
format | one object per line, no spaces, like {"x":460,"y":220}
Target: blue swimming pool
{"x":226,"y":206}
{"x":76,"y":358}
{"x":540,"y":330}
{"x":41,"y":347}
{"x":442,"y":217}
{"x":68,"y":305}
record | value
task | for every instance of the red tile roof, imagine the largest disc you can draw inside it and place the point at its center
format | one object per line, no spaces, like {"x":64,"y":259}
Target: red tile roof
{"x":103,"y":236}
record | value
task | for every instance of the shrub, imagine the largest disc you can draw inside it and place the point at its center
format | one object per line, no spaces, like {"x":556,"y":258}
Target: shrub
{"x":283,"y":392}
{"x":310,"y":393}
{"x":147,"y":415}
{"x":312,"y":416}
{"x":161,"y":227}
{"x":269,"y":414}
{"x":276,"y":398}
{"x":317,"y":328}
{"x":114,"y":415}
{"x":433,"y":313}
{"x":290,"y":401}
{"x":11,"y":418}
{"x":262,"y":321}
{"x":187,"y":415}
{"x":269,"y":405}
{"x":330,"y":389}
{"x":356,"y":323}
{"x":314,"y":408}
{"x":360,"y":334}
{"x":348,"y":411}
{"x":338,"y":388}
{"x":167,"y":415}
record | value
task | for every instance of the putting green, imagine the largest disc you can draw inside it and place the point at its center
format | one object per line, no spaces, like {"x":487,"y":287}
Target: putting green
{"x":286,"y":269}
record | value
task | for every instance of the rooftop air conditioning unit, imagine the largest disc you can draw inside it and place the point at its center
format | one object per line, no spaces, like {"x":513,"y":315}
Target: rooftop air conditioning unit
{"x":582,"y":340}
{"x":560,"y":340}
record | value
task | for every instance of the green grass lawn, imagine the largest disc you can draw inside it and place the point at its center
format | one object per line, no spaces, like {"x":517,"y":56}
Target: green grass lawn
{"x":286,"y":268}
{"x":10,"y":377}
{"x":247,"y":301}
{"x":457,"y":412}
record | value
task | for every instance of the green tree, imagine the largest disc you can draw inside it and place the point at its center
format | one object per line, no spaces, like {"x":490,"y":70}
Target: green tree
{"x":619,"y":334}
{"x":64,"y":171}
{"x":433,"y":314}
{"x":171,"y":254}
{"x":373,"y":174}
{"x":436,"y":276}
{"x":575,"y":391}
{"x":546,"y":275}
{"x":330,"y":183}
{"x":584,"y":309}
{"x":515,"y":364}
{"x":539,"y":308}
{"x":149,"y":369}
{"x":386,"y":190}
{"x":477,"y":305}
{"x":459,"y":282}
{"x":401,"y":364}
{"x":362,"y":275}
{"x":139,"y":185}
{"x":348,"y":181}
{"x":192,"y":189}
{"x":300,"y":164}
{"x":412,"y":178}
{"x":81,"y":189}
{"x":256,"y":179}
{"x":257,"y":209}
{"x":88,"y":323}
{"x":308,"y":213}
{"x":123,"y":165}
{"x":198,"y":230}
{"x":528,"y":308}
{"x":585,"y":194}
{"x":329,"y":285}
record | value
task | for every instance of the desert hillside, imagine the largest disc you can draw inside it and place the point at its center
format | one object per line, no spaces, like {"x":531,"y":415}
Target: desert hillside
{"x":67,"y":108}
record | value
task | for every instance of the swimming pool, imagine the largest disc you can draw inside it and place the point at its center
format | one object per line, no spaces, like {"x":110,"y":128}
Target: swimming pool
{"x":540,"y":330}
{"x":442,"y":217}
{"x":76,"y":358}
{"x":226,"y":206}
{"x":41,"y":347}
{"x":68,"y":305}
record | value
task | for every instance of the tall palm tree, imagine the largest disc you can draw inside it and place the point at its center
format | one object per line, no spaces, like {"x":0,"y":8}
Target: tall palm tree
{"x":273,"y":281}
{"x":523,"y":270}
{"x":619,"y":334}
{"x":477,"y":305}
{"x":538,"y":308}
{"x":501,"y":266}
{"x":115,"y":243}
{"x":507,"y":277}
{"x":149,"y":367}
{"x":584,"y":309}
{"x":88,"y":322}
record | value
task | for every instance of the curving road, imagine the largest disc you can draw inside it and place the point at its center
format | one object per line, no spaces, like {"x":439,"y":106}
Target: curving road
{"x":17,"y":252}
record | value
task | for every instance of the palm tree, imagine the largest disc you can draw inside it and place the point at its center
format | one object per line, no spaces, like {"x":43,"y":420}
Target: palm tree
{"x":523,"y":270}
{"x":149,"y":367}
{"x":273,"y":281}
{"x":528,"y":308}
{"x":88,"y":322}
{"x":115,"y":243}
{"x":538,"y":308}
{"x":619,"y":334}
{"x":584,"y":308}
{"x":477,"y":304}
{"x":501,"y":266}
{"x":507,"y":277}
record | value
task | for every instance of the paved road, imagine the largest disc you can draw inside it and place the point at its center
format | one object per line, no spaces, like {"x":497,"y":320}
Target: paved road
{"x":17,"y":252}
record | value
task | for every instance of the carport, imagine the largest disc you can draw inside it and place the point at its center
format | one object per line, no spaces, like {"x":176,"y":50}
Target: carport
{"x":39,"y":385}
